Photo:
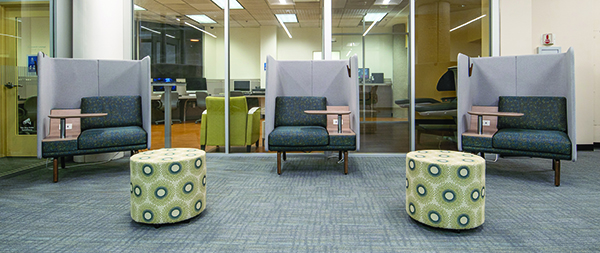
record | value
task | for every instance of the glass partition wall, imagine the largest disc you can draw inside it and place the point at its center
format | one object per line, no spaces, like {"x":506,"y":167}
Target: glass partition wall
{"x":193,"y":33}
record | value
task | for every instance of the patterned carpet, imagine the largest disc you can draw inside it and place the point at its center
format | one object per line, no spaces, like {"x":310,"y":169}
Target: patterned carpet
{"x":311,"y":207}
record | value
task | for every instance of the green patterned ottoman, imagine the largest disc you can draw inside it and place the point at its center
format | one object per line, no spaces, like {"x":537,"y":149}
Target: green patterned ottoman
{"x":445,"y":189}
{"x":168,"y":185}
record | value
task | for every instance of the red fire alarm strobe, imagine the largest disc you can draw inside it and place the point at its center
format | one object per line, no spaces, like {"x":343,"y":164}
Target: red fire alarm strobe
{"x":547,"y":39}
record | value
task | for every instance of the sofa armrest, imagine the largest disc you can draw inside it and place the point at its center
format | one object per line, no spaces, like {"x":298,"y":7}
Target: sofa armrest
{"x":253,"y":126}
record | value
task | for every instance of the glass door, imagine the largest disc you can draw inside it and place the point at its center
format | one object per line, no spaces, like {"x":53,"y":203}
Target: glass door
{"x":24,"y":31}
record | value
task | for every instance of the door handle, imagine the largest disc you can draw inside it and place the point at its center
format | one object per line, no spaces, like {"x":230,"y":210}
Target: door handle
{"x":10,"y":85}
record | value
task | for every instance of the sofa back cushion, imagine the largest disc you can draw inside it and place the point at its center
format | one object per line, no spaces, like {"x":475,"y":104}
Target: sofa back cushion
{"x":121,"y":110}
{"x":289,"y":111}
{"x":541,"y":113}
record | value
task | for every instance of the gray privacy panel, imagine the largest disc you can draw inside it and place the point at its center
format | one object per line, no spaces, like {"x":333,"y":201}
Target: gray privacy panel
{"x":295,"y":78}
{"x":331,"y":80}
{"x":119,"y":78}
{"x":74,"y":79}
{"x":272,"y":90}
{"x":492,"y":77}
{"x":542,"y":75}
{"x":463,"y":95}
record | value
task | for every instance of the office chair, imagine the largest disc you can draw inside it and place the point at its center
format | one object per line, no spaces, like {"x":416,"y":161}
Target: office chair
{"x":174,"y":105}
{"x":201,"y":102}
{"x":370,"y":97}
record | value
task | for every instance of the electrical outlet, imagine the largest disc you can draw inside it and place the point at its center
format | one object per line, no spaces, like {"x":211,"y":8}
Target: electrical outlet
{"x":335,"y":121}
{"x":68,"y":126}
{"x":486,"y":123}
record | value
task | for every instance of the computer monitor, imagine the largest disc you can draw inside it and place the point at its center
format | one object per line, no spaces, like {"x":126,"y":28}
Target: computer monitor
{"x":241,"y":85}
{"x":363,"y":73}
{"x":158,"y":88}
{"x":195,"y":84}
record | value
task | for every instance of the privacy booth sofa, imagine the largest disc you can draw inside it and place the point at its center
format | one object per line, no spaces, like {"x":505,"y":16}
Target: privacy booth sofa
{"x":540,"y":87}
{"x":296,"y":86}
{"x":121,"y":89}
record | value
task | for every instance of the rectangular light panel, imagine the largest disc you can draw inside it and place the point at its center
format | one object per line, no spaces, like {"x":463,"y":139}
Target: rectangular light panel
{"x":202,"y":19}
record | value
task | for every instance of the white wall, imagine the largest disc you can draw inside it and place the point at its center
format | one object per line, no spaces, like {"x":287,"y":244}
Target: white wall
{"x":577,"y":25}
{"x":249,"y":47}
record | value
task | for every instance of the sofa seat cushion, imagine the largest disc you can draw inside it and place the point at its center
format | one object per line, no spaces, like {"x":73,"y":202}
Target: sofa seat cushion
{"x":299,"y":136}
{"x":50,"y":148}
{"x":476,"y":141}
{"x":546,"y":141}
{"x":111,"y":137}
{"x":342,"y":140}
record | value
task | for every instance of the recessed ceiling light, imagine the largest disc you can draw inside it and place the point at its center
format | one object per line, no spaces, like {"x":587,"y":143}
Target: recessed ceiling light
{"x":374,"y":17}
{"x":233,"y":4}
{"x":138,"y":8}
{"x":200,"y":29}
{"x":287,"y":18}
{"x":202,"y":19}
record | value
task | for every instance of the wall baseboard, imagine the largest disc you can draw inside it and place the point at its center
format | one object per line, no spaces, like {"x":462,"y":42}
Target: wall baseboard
{"x":587,"y":147}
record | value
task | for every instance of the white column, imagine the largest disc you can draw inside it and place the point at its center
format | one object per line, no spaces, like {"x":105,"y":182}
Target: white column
{"x":102,"y":29}
{"x":326,"y":45}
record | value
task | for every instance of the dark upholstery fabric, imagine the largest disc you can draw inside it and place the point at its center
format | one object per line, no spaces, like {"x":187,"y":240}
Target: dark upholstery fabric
{"x":111,"y":137}
{"x":289,"y":111}
{"x":342,"y":140}
{"x":541,"y":113}
{"x":52,"y":147}
{"x":474,"y":141}
{"x":121,"y":110}
{"x":93,"y":151}
{"x":510,"y":152}
{"x":299,"y":136}
{"x":533,"y":140}
{"x":313,"y":148}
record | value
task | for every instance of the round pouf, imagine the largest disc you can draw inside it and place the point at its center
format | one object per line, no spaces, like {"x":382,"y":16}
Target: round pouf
{"x":445,"y":189}
{"x":167,"y":185}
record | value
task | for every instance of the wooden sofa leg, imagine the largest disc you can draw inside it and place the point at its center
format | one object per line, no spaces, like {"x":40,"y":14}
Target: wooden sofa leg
{"x":556,"y":168}
{"x":55,"y":170}
{"x":279,"y":162}
{"x":345,"y":162}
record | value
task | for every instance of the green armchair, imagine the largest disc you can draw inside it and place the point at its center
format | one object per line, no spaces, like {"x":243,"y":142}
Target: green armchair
{"x":244,"y":124}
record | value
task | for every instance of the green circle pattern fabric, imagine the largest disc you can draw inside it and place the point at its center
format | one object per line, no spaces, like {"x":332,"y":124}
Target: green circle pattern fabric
{"x":167,"y":185}
{"x":445,"y":189}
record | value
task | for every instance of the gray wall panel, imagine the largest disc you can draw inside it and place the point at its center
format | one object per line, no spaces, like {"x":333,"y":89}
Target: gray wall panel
{"x":542,"y":75}
{"x":492,"y":77}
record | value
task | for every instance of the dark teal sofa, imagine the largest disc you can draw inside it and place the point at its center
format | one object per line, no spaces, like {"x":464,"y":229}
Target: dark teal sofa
{"x":297,"y":131}
{"x":120,"y":130}
{"x":541,"y":132}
